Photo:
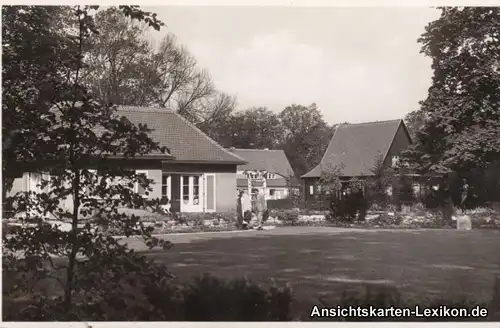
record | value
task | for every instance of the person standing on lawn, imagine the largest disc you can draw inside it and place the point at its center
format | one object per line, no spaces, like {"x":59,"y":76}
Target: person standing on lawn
{"x":260,"y":207}
{"x":464,"y":195}
{"x":246,"y":208}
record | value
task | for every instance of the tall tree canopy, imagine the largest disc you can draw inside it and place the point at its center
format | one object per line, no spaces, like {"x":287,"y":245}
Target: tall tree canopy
{"x":119,"y":67}
{"x":124,"y":68}
{"x":256,"y":128}
{"x":414,"y":121}
{"x":299,"y":130}
{"x":306,"y":136}
{"x":462,"y":110}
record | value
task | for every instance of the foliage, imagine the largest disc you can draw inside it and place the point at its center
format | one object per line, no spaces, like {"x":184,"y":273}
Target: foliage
{"x":212,"y":299}
{"x":379,"y":183}
{"x":462,"y":113}
{"x":295,"y":192}
{"x":119,"y":68}
{"x":406,"y":191}
{"x":281,"y":203}
{"x":154,"y":295}
{"x":126,"y":69}
{"x":257,"y":128}
{"x":345,"y":198}
{"x":62,"y":130}
{"x":299,"y":130}
{"x":287,"y":216}
{"x":414,"y":121}
{"x":305,"y":136}
{"x":198,"y":219}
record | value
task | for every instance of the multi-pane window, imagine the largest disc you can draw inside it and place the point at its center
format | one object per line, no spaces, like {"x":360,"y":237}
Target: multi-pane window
{"x":185,"y":189}
{"x":196,"y":190}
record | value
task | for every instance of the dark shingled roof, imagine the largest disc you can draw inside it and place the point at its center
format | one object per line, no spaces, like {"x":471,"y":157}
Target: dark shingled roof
{"x":273,"y":161}
{"x":186,"y":142}
{"x":356,"y":147}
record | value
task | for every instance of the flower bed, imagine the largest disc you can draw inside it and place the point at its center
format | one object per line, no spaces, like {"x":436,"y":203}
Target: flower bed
{"x":161,"y":224}
{"x":414,"y":217}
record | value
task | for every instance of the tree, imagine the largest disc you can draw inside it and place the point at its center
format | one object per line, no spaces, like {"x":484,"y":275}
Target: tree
{"x":216,"y":116}
{"x":414,"y":121}
{"x":32,"y":39}
{"x":306,"y":136}
{"x":119,"y":68}
{"x":345,"y":198}
{"x":462,"y":109}
{"x":125,"y":69}
{"x":380,"y":182}
{"x":254,"y":128}
{"x":62,"y":130}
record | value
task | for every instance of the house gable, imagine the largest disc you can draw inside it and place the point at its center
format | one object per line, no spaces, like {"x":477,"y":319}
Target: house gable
{"x":400,"y":142}
{"x":356,"y":147}
{"x":270,"y":160}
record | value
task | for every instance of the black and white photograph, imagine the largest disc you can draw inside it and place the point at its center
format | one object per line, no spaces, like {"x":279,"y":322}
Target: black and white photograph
{"x":250,"y":163}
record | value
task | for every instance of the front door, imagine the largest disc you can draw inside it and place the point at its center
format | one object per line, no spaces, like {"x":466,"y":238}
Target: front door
{"x":191,"y":193}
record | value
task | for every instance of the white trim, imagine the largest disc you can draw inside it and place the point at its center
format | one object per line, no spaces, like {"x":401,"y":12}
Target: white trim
{"x":205,"y":201}
{"x":190,"y":206}
{"x":136,"y":187}
{"x":169,"y":185}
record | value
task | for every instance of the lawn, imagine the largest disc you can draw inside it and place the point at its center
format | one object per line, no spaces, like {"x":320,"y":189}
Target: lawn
{"x":326,"y":261}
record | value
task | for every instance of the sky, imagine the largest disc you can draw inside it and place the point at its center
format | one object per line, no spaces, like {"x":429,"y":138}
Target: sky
{"x":357,"y":64}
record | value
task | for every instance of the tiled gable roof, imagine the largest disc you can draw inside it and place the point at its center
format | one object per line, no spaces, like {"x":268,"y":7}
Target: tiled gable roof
{"x":273,"y":161}
{"x":186,"y":142}
{"x":356,"y":147}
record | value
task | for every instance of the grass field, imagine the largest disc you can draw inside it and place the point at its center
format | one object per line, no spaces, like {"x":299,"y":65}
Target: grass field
{"x":326,"y":261}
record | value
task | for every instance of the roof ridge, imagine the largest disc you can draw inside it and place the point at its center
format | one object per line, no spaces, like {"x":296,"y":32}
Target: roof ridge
{"x":208,"y":138}
{"x":250,"y":149}
{"x":371,"y":122}
{"x":145,"y":109}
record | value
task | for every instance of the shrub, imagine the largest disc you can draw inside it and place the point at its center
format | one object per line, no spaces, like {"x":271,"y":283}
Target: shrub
{"x":348,"y":207}
{"x":198,"y":219}
{"x":287,"y":216}
{"x":156,"y":296}
{"x":286,"y":203}
{"x":406,"y":192}
{"x":229,"y":218}
{"x":307,"y":211}
{"x":213,"y":299}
